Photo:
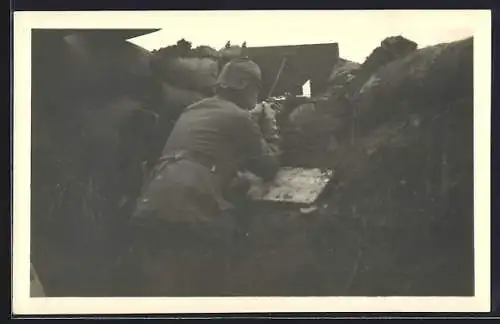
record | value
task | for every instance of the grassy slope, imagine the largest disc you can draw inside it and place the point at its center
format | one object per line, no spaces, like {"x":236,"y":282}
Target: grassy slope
{"x":400,"y":219}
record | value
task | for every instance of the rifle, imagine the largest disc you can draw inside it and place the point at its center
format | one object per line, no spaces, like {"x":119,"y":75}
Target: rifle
{"x":284,"y":105}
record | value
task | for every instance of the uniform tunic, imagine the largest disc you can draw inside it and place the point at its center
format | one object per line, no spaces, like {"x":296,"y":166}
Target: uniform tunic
{"x":184,"y":219}
{"x":212,"y":140}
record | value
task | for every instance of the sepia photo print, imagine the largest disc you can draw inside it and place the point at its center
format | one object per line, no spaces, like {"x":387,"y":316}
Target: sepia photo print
{"x":254,"y":154}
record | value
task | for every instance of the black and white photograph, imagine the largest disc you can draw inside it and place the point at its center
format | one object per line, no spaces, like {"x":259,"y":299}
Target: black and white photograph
{"x":253,"y":161}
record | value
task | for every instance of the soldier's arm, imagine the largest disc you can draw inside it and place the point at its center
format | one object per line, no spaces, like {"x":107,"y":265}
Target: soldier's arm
{"x":259,"y":156}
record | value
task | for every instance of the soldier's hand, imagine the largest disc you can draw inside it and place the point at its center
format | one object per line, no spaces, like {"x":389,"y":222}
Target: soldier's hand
{"x":265,"y":116}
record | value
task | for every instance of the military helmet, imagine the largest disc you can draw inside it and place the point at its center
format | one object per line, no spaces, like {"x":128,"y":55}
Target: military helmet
{"x":238,"y":73}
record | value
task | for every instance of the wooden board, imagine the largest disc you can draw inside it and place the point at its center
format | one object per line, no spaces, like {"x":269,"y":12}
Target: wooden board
{"x":292,"y":185}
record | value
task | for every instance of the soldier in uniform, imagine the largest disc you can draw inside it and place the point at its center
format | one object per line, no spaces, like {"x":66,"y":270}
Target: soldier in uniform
{"x":183,"y":224}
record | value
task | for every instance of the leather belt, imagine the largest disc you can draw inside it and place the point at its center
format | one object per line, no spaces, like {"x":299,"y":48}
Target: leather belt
{"x":220,"y":168}
{"x":177,"y":156}
{"x":189,"y":156}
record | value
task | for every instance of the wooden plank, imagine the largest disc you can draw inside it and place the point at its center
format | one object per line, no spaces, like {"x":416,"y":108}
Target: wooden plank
{"x":292,"y":185}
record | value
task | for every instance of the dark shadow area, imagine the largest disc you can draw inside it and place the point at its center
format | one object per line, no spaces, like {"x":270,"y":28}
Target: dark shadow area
{"x":397,"y":221}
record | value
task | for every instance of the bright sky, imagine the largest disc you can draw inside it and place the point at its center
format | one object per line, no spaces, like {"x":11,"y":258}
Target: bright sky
{"x":356,"y":32}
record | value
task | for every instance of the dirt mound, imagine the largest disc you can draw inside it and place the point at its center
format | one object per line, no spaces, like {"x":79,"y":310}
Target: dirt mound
{"x":432,"y":75}
{"x":402,"y":204}
{"x":187,"y":68}
{"x":343,"y":73}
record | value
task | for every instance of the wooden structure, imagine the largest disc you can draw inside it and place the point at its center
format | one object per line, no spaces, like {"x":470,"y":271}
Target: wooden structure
{"x":298,"y":64}
{"x":292,"y":185}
